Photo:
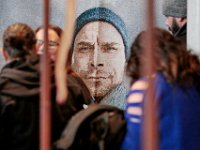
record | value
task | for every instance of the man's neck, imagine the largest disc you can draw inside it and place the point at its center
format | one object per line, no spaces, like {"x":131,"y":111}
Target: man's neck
{"x":98,"y":99}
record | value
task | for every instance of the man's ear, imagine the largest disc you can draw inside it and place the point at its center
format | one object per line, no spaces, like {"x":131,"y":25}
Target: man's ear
{"x":5,"y":55}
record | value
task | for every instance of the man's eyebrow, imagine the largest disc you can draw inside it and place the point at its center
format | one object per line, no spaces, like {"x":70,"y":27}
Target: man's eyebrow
{"x":110,"y":44}
{"x":82,"y":43}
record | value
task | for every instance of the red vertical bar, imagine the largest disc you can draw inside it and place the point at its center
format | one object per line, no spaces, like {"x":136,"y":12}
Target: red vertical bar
{"x":45,"y":99}
{"x":150,"y":138}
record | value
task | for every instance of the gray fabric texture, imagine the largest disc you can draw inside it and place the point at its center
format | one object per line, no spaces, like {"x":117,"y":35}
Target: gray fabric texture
{"x":175,"y":8}
{"x":117,"y":97}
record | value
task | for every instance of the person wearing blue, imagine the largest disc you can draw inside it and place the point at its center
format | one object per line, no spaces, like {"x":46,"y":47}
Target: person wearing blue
{"x":177,"y":93}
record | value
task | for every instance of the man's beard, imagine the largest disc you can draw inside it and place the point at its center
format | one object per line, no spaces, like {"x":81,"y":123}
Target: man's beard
{"x":174,"y":28}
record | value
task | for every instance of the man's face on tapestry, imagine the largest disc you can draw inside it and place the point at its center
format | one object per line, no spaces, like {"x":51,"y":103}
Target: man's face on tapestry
{"x":99,"y":57}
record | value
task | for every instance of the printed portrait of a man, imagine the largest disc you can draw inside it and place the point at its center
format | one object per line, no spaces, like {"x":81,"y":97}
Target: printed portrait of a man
{"x":99,"y":54}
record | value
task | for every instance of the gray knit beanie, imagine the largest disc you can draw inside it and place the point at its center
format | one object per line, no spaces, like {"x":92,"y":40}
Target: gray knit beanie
{"x":106,"y":15}
{"x":175,"y":8}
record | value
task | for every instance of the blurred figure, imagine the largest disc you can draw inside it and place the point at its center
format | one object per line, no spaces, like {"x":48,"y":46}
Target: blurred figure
{"x":54,"y":37}
{"x":20,"y":93}
{"x":176,"y":17}
{"x":177,"y":94}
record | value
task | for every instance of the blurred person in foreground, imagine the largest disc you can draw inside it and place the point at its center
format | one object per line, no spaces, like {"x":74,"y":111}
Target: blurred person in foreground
{"x":177,"y":94}
{"x":20,"y":93}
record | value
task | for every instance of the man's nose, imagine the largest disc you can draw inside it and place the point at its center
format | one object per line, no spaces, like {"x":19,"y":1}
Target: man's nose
{"x":97,"y":64}
{"x":97,"y":59}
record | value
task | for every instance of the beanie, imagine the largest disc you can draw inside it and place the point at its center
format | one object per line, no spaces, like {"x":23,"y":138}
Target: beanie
{"x":105,"y":15}
{"x":175,"y":8}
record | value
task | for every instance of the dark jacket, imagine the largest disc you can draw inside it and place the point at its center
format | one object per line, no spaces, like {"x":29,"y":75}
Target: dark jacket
{"x":182,"y":34}
{"x":19,"y":105}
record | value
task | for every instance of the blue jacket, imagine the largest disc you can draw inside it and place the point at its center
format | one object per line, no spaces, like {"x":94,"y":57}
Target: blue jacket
{"x":178,"y":117}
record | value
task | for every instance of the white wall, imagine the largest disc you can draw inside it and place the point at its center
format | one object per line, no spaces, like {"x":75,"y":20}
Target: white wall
{"x":193,"y":29}
{"x":30,"y":12}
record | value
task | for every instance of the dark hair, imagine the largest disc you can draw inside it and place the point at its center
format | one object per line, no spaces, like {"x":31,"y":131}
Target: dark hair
{"x":171,"y":57}
{"x":18,"y":40}
{"x":55,"y":28}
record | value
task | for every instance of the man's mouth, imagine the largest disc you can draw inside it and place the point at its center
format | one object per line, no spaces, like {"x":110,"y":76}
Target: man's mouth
{"x":96,"y":78}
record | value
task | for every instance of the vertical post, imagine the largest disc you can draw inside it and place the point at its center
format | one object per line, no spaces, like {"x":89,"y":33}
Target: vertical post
{"x":193,"y":22}
{"x":149,"y":137}
{"x":62,"y":55}
{"x":45,"y":99}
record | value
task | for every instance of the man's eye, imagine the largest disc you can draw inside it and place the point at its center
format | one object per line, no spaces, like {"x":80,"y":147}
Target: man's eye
{"x":109,"y":49}
{"x":84,"y":49}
